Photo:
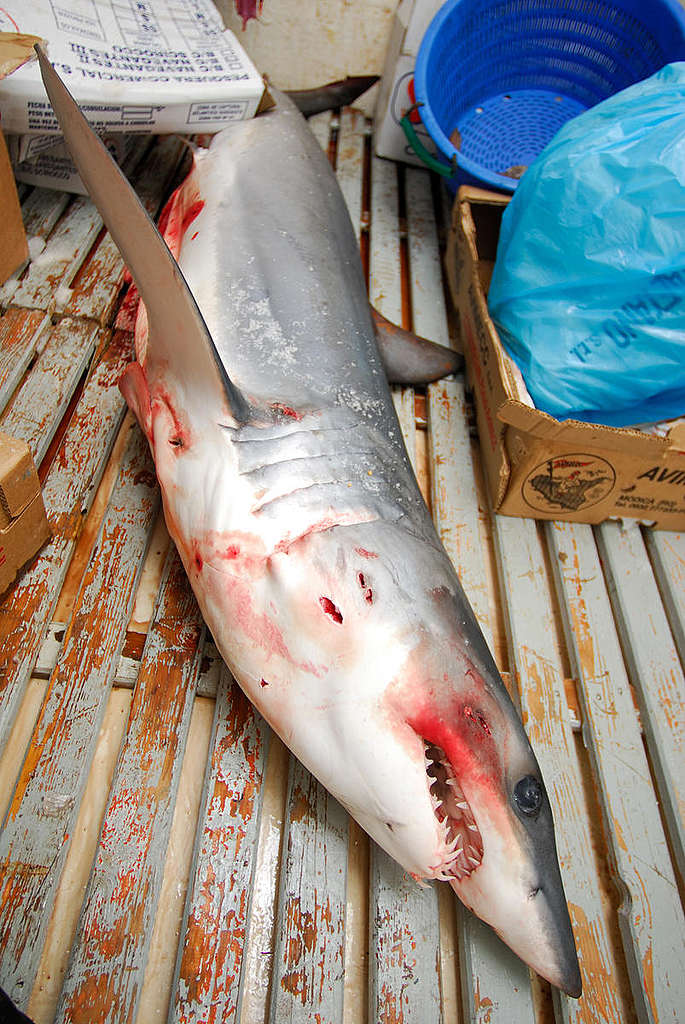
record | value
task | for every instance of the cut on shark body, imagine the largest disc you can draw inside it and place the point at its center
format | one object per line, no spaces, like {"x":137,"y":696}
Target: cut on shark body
{"x":289,"y":494}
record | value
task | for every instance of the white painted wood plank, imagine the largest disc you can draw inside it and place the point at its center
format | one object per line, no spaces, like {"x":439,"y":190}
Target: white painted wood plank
{"x":210,"y":964}
{"x":350,"y":163}
{"x":667,"y":551}
{"x":40,"y":212}
{"x":68,"y":493}
{"x":404,"y":981}
{"x":405,"y":934}
{"x":494,"y":980}
{"x":385,"y":285}
{"x":650,"y":919}
{"x":425,"y":274}
{"x":40,"y":821}
{"x":41,"y":209}
{"x":127,"y":670}
{"x":403,"y":400}
{"x":320,"y":127}
{"x":653,"y":665}
{"x":63,"y":254}
{"x":110,"y":949}
{"x":385,"y":282}
{"x":309,"y":959}
{"x":20,"y":331}
{"x":535,"y":661}
{"x":37,"y":411}
{"x":495,"y":983}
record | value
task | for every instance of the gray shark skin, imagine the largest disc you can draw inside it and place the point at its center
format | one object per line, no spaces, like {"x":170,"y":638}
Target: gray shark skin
{"x":289,"y":494}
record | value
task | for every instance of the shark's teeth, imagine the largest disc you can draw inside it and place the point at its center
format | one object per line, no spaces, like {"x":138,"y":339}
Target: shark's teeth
{"x":461,"y":847}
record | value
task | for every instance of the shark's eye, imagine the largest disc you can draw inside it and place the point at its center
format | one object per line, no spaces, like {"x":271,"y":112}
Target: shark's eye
{"x":528,"y":795}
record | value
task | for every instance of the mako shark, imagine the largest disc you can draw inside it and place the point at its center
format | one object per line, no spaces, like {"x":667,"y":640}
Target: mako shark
{"x":287,"y":489}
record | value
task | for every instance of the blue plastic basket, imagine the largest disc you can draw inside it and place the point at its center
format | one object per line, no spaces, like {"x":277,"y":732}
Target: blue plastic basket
{"x":496,"y":79}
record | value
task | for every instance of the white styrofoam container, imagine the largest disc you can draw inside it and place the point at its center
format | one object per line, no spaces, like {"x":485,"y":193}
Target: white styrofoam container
{"x":412,"y":18}
{"x":152,"y":67}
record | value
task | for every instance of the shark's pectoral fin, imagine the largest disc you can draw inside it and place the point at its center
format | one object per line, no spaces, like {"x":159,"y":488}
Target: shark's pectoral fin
{"x":180,"y":333}
{"x":133,"y":387}
{"x":409,"y":358}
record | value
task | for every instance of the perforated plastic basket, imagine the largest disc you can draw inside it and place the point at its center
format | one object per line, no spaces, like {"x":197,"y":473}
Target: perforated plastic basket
{"x":496,"y":79}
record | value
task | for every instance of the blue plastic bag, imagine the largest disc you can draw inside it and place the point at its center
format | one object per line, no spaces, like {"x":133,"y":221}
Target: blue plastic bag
{"x":588,"y":290}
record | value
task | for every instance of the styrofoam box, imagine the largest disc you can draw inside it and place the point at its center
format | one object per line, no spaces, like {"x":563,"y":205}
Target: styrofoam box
{"x":412,"y":18}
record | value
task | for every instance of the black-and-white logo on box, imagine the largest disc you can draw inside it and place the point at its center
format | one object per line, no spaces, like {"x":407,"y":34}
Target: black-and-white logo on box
{"x":569,"y":483}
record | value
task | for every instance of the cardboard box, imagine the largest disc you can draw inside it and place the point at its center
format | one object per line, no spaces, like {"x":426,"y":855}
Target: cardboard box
{"x":23,"y":524}
{"x":13,"y":246}
{"x":535,"y":465}
{"x":14,"y":51}
{"x":395,"y":97}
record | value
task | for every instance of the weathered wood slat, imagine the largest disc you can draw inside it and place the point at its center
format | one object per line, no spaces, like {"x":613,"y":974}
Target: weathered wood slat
{"x":40,"y":820}
{"x":37,"y":411}
{"x":40,"y":212}
{"x":650,"y":919}
{"x":350,"y":160}
{"x":41,"y":209}
{"x":403,"y":959}
{"x":425,"y":274}
{"x":350,"y":163}
{"x":653,"y":665}
{"x":20,"y":332}
{"x":403,"y":400}
{"x":404,"y":978}
{"x":495,"y":983}
{"x":667,"y":551}
{"x":209,"y":969}
{"x":110,"y":949}
{"x":536,"y":663}
{"x":64,"y":253}
{"x":127,"y":670}
{"x":97,"y":287}
{"x":309,"y":968}
{"x":385,"y":283}
{"x":320,"y":126}
{"x":68,"y":493}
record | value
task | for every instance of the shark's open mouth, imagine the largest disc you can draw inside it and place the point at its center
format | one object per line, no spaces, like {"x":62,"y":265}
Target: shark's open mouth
{"x":463,"y":844}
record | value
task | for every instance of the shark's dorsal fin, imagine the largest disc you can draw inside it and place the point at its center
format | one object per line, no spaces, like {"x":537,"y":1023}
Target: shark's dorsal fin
{"x":175,"y":321}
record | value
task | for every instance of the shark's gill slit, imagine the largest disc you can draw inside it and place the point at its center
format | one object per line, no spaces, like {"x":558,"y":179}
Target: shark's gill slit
{"x":463,"y":851}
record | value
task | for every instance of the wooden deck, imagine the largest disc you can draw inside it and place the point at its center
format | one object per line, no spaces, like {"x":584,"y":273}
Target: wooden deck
{"x":163,"y":856}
